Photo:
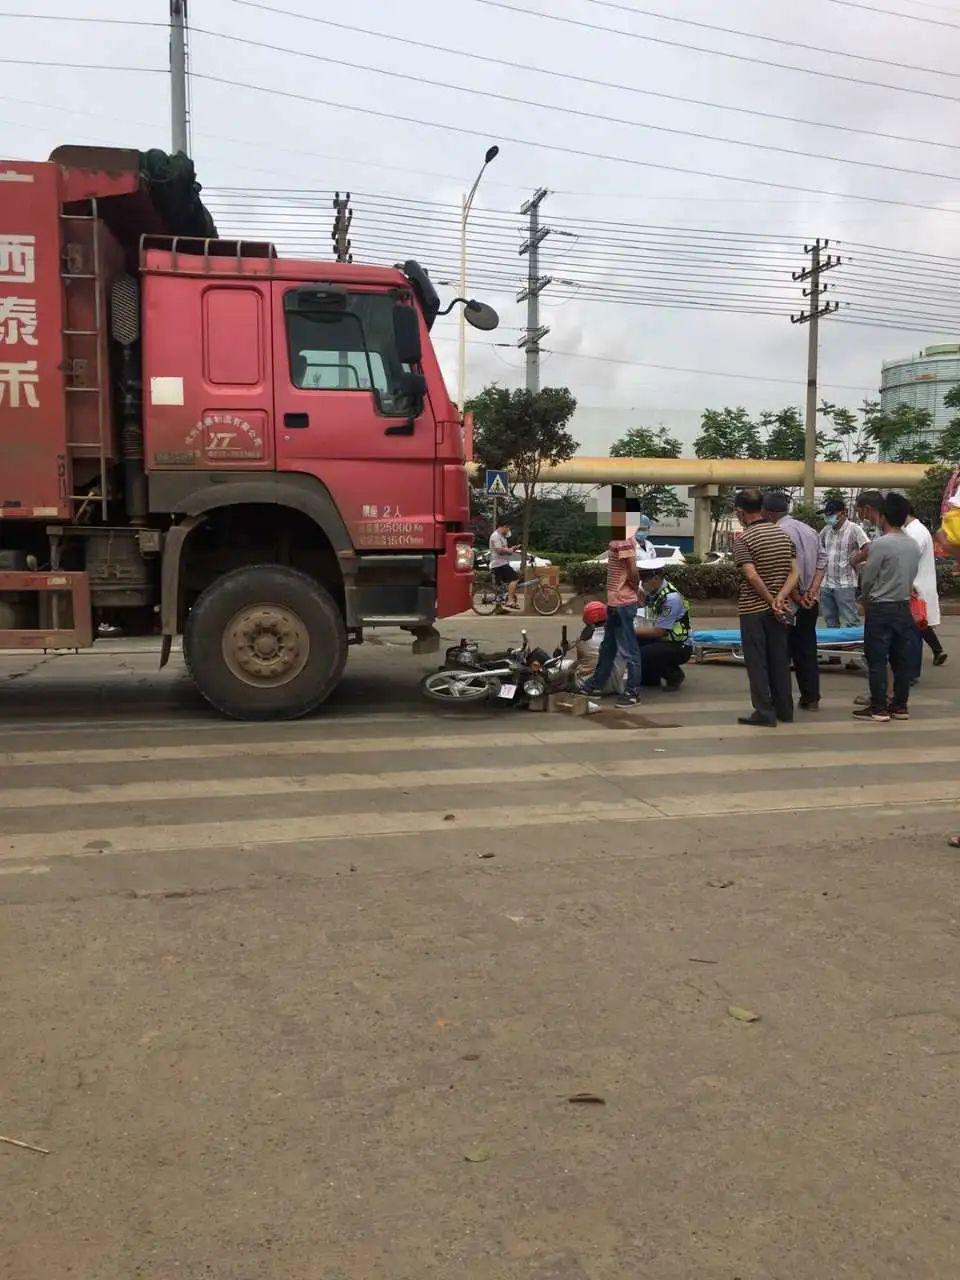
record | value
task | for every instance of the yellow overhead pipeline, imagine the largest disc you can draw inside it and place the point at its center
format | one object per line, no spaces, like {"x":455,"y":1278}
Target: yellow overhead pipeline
{"x":696,"y":471}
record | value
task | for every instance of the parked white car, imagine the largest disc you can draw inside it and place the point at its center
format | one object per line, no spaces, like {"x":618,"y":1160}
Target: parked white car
{"x":666,"y":554}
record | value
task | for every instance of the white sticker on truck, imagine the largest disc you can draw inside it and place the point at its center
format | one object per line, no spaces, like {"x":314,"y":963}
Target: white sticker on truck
{"x":166,"y":391}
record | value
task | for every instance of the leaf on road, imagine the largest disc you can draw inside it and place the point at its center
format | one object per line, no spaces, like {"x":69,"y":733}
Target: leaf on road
{"x":593,"y":1098}
{"x":741,"y":1014}
{"x":478,"y":1155}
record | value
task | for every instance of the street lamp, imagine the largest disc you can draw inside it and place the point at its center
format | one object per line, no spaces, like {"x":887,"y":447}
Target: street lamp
{"x":465,"y":207}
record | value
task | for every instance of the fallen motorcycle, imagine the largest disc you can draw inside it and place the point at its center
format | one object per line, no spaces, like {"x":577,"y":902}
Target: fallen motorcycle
{"x":512,"y":677}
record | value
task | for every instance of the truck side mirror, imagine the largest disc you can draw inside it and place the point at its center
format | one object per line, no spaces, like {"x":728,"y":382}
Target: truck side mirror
{"x":406,"y":334}
{"x":480,"y":315}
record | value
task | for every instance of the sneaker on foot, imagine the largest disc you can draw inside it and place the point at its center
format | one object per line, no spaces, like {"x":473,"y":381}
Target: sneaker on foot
{"x":757,"y":720}
{"x":862,"y":700}
{"x":806,"y":704}
{"x":939,"y":659}
{"x":899,"y":713}
{"x":628,"y":700}
{"x":868,"y":713}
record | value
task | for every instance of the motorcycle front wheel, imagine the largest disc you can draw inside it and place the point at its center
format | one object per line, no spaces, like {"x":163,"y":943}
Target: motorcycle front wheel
{"x":458,"y":685}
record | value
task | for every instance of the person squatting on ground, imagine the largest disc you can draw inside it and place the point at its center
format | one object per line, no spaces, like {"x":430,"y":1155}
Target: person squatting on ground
{"x":768,"y":567}
{"x":840,"y":538}
{"x":664,"y":636}
{"x":811,"y":557}
{"x":619,"y":638}
{"x":889,"y":632}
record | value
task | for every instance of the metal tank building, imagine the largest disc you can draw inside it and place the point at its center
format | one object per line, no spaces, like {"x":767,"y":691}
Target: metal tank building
{"x":922,"y":381}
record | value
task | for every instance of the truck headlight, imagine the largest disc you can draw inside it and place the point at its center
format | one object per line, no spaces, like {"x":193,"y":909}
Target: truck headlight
{"x":464,"y":556}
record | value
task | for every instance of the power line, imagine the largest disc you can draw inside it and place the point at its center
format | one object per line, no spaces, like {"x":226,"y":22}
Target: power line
{"x":63,"y":17}
{"x":602,"y":84}
{"x":718,"y":53}
{"x":552,"y":146}
{"x":753,"y":35}
{"x":575,"y":111}
{"x":85,"y":66}
{"x":896,"y":13}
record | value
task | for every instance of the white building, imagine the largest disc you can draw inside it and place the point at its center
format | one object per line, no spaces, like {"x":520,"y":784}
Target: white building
{"x":922,"y":381}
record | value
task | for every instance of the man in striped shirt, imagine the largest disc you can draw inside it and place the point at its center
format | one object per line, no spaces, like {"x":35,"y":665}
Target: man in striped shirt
{"x":768,"y":566}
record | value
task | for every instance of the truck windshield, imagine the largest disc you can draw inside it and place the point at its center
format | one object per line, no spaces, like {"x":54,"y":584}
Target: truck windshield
{"x":350,"y":350}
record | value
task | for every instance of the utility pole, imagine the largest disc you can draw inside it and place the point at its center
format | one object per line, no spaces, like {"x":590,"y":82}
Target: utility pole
{"x":341,"y":228}
{"x":178,"y":76}
{"x":536,"y":283}
{"x":811,"y":317}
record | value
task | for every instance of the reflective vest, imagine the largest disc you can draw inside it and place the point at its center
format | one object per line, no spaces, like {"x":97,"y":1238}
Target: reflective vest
{"x":679,"y":632}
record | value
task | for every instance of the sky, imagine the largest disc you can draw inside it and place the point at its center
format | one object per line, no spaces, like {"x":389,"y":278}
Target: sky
{"x":407,"y":149}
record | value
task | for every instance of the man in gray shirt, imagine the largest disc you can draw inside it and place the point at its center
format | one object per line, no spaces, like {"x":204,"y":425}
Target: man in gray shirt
{"x":886,"y":581}
{"x":811,"y":558}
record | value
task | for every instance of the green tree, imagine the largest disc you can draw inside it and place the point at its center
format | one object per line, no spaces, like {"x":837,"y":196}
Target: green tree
{"x":658,"y":501}
{"x":948,"y":446}
{"x":898,"y":433}
{"x":927,"y":495}
{"x":726,"y":433}
{"x":523,"y":431}
{"x":784,"y":436}
{"x":847,"y":440}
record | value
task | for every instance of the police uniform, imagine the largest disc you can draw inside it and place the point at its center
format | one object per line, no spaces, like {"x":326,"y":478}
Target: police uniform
{"x":663,"y":658}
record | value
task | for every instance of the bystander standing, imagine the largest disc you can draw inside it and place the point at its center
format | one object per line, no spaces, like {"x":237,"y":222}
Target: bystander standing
{"x":768,"y":568}
{"x":811,"y":560}
{"x":886,"y":581}
{"x":840,"y":538}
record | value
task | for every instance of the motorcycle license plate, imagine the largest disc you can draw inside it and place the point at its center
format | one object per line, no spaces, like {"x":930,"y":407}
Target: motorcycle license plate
{"x":507,"y":691}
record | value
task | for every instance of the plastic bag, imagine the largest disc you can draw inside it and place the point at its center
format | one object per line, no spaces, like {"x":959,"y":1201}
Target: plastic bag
{"x":918,"y":608}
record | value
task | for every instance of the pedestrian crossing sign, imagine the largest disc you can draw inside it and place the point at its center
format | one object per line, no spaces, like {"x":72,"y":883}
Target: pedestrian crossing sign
{"x":497,"y":483}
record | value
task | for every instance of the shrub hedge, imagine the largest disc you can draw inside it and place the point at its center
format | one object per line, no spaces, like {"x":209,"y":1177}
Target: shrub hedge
{"x":719,"y":580}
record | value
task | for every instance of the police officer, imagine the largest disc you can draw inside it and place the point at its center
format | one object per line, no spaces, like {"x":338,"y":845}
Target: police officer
{"x":664,"y":635}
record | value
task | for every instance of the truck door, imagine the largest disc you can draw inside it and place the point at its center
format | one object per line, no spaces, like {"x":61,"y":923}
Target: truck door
{"x":345,"y":412}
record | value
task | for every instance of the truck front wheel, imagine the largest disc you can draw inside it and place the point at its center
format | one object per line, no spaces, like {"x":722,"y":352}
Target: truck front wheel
{"x":265,"y":643}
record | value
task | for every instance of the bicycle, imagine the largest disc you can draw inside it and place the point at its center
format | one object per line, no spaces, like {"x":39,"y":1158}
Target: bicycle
{"x":490,"y":596}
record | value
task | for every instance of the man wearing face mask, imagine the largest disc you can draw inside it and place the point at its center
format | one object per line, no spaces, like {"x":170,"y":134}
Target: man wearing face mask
{"x":841,"y":538}
{"x":500,"y":566}
{"x":664,"y":638}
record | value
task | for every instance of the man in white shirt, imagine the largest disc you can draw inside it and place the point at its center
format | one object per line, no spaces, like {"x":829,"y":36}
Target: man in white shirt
{"x":645,"y":548}
{"x":925,"y":585}
{"x":500,"y":566}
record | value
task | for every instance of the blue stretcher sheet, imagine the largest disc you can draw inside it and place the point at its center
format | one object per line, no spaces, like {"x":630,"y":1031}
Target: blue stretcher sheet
{"x":825,"y":635}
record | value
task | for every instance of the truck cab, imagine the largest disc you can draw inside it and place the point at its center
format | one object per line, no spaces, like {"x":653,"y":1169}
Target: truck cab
{"x":202,"y":437}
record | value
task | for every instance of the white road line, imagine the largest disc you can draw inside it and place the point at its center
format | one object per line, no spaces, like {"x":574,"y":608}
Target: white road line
{"x":515,"y":739}
{"x":544,"y":772}
{"x":40,"y":847}
{"x":789,"y":800}
{"x":217,"y":724}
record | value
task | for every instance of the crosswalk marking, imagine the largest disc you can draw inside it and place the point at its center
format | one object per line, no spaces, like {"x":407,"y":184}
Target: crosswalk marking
{"x":40,"y":847}
{"x":513,"y":739}
{"x":186,"y":789}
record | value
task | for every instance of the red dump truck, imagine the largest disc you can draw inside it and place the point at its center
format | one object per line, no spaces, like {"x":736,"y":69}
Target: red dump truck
{"x":198,"y":436}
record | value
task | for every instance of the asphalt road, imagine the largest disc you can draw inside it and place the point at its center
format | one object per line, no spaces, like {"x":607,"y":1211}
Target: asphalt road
{"x":311,"y":1000}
